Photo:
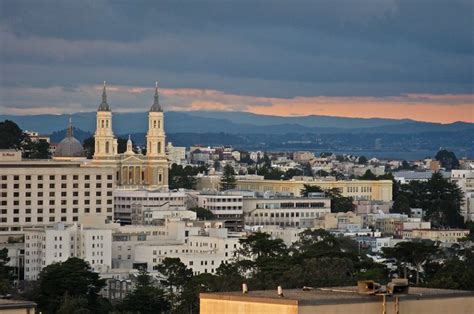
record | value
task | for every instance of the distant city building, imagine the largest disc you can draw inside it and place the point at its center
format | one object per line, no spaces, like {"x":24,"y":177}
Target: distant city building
{"x":289,"y":211}
{"x":176,"y":155}
{"x":42,"y":192}
{"x":57,"y":243}
{"x":377,"y":190}
{"x":226,"y":206}
{"x":143,"y":206}
{"x":465,"y":180}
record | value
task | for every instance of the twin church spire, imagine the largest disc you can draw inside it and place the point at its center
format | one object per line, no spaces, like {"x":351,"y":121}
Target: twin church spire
{"x":155,"y":107}
{"x":106,"y":146}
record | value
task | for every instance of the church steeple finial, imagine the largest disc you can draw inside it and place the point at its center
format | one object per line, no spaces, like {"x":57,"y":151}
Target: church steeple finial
{"x":104,"y":106}
{"x":156,"y":102}
{"x":69,"y":128}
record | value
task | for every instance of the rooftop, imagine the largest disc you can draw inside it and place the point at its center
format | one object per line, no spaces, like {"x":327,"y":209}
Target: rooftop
{"x":335,"y":295}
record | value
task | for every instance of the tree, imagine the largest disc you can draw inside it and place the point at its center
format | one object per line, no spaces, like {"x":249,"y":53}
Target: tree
{"x":362,"y":160}
{"x":89,"y":147}
{"x":11,"y":136}
{"x":307,"y":189}
{"x":121,"y":145}
{"x":72,"y":278}
{"x":39,"y":150}
{"x":261,"y":244}
{"x":368,"y":175}
{"x":411,"y":253}
{"x":145,"y":298}
{"x":447,"y":159}
{"x":290,"y":173}
{"x":175,"y":276}
{"x":401,"y":205}
{"x":6,"y":272}
{"x":228,"y":181}
{"x":183,"y":178}
{"x":203,"y":213}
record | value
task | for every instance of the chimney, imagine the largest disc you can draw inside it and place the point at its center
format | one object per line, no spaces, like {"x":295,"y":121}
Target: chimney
{"x":245,"y":289}
{"x":280,"y":291}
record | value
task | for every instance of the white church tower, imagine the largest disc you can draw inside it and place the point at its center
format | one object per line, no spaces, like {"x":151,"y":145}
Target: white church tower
{"x":156,"y":131}
{"x":157,"y":173}
{"x":105,"y":142}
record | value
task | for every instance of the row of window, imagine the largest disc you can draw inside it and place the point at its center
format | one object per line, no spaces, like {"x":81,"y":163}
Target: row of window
{"x":53,"y":177}
{"x":53,"y":202}
{"x":16,"y":211}
{"x":28,"y":186}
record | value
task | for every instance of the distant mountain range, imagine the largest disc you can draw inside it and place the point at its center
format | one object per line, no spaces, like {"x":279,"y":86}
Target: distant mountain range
{"x":236,"y":123}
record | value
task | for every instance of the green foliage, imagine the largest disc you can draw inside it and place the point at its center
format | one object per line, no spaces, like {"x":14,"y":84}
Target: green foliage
{"x":11,"y":136}
{"x":73,"y":279}
{"x":401,"y":205}
{"x":440,"y":199}
{"x":39,"y":150}
{"x":368,"y":175}
{"x":228,"y":181}
{"x":176,"y":276}
{"x":145,"y":298}
{"x":414,"y":254}
{"x":183,"y":177}
{"x":6,"y":272}
{"x":339,"y":203}
{"x":89,"y":147}
{"x":362,"y":160}
{"x":447,"y":159}
{"x":203,"y":213}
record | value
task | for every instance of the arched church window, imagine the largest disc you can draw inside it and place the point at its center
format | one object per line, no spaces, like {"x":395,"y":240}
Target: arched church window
{"x":107,"y":148}
{"x":154,"y":124}
{"x":159,"y":147}
{"x":160,"y":177}
{"x":159,"y":124}
{"x":102,"y":123}
{"x":106,"y":123}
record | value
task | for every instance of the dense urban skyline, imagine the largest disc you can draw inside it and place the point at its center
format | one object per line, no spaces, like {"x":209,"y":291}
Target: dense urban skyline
{"x":391,"y":59}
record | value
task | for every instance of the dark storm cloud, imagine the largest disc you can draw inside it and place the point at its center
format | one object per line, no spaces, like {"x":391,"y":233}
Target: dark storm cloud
{"x":261,"y":48}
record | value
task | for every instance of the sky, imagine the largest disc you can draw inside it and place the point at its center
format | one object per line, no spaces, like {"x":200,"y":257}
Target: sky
{"x":367,"y":58}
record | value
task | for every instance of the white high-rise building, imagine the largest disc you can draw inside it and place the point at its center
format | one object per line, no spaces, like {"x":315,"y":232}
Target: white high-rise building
{"x":57,"y":243}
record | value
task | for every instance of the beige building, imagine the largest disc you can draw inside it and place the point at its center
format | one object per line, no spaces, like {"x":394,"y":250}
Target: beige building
{"x":285,"y":211}
{"x":42,"y":192}
{"x":8,"y":306}
{"x":441,"y":235}
{"x":375,"y":190}
{"x":341,"y":300}
{"x":338,"y":221}
{"x":132,"y":169}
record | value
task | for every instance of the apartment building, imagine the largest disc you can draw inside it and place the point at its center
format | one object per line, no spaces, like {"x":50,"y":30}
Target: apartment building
{"x":225,"y":206}
{"x":202,"y":253}
{"x":141,"y":205}
{"x":51,"y":244}
{"x":42,"y":192}
{"x":286,"y":211}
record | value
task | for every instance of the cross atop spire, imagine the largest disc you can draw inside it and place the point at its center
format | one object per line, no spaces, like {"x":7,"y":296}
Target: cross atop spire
{"x":104,"y":106}
{"x":69,"y":128}
{"x":156,"y":102}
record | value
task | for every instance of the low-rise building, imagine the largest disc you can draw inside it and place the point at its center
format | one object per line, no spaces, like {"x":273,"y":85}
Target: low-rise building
{"x":226,"y":206}
{"x":342,"y":221}
{"x":376,"y":190}
{"x":447,"y":236}
{"x":285,"y":211}
{"x":142,"y":206}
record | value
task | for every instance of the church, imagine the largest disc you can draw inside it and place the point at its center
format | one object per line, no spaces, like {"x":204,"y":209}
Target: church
{"x":132,"y":169}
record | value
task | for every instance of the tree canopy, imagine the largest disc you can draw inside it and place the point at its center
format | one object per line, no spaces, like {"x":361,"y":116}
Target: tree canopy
{"x":228,"y":181}
{"x":447,"y":159}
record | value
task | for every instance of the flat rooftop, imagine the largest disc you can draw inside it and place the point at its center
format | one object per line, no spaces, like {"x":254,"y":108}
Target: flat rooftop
{"x":15,"y":304}
{"x":334,"y":295}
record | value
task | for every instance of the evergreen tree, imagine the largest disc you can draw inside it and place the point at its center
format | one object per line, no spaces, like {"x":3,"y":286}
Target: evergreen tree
{"x":447,"y":159}
{"x":228,"y":181}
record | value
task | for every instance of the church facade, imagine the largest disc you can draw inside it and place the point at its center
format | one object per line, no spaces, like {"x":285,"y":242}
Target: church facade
{"x":132,"y":169}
